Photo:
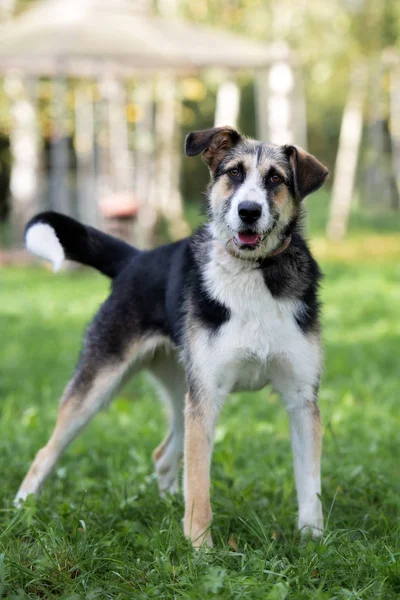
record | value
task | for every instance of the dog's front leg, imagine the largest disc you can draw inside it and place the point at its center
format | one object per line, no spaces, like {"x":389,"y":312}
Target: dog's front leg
{"x":305,"y":426}
{"x":200,"y":420}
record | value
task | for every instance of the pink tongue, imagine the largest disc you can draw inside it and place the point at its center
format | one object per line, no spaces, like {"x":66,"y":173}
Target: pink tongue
{"x":249,"y":238}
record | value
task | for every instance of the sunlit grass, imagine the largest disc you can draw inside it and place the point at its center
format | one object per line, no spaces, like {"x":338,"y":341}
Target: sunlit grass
{"x":101,"y":531}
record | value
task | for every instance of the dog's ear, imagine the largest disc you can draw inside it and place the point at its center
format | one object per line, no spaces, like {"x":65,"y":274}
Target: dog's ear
{"x":308,"y":173}
{"x":213,"y":143}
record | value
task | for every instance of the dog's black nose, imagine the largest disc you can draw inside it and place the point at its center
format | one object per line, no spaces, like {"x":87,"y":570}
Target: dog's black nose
{"x":249,"y":211}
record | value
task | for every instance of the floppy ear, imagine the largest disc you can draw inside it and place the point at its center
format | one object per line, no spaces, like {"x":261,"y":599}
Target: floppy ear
{"x":308,"y":173}
{"x":213,"y":143}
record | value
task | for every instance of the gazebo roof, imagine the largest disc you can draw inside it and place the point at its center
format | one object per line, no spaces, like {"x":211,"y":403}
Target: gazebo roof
{"x":81,"y":37}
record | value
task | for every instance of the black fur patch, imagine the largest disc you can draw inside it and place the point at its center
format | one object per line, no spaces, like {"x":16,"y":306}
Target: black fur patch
{"x":295,"y":274}
{"x":206,"y":310}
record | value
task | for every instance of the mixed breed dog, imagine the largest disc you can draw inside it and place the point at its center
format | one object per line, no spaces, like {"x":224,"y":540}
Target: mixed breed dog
{"x":232,"y":307}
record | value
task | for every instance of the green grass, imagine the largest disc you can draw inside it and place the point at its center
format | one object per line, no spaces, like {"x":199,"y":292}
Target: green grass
{"x":100,"y":529}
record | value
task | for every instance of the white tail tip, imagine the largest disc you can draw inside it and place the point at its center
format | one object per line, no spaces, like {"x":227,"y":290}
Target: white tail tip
{"x":41,"y":239}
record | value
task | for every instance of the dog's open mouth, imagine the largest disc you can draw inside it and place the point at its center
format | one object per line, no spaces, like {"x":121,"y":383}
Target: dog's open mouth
{"x":247,"y":239}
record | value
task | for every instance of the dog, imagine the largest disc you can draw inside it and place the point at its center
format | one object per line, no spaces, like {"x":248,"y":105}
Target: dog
{"x":233,"y":307}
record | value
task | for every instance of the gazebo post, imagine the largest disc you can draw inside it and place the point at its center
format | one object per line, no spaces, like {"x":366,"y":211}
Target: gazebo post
{"x":84,"y":149}
{"x":299,"y":109}
{"x":167,"y":193}
{"x":280,"y":107}
{"x":167,"y":196}
{"x":120,"y":159}
{"x":59,"y":153}
{"x":24,"y":139}
{"x":228,"y":103}
{"x":144,"y":162}
{"x":275,"y":104}
{"x":117,"y":203}
{"x":103,"y":187}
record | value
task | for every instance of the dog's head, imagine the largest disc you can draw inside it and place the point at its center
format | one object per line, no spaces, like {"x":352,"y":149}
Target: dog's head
{"x":256,"y":189}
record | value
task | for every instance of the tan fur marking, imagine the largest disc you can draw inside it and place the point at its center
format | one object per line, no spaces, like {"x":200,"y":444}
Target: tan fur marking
{"x":317,"y":434}
{"x":198,"y":448}
{"x":285,"y":204}
{"x":281,"y":196}
{"x":221,"y":192}
{"x":159,"y":451}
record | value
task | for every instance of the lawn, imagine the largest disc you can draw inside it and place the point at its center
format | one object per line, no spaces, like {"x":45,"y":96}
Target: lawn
{"x":100,"y":529}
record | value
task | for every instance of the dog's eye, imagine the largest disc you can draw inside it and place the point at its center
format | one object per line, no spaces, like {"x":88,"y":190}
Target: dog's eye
{"x":234,"y":172}
{"x":275,"y":178}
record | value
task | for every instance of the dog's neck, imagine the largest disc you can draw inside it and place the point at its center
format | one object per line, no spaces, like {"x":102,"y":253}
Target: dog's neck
{"x":284,"y":246}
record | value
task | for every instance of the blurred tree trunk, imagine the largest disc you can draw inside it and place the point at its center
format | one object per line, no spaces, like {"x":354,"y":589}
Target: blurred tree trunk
{"x":347,"y":157}
{"x":379,"y":186}
{"x":395,"y":127}
{"x":24,"y":140}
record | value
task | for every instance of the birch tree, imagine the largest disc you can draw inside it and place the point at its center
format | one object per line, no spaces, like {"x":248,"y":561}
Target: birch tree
{"x":347,"y":157}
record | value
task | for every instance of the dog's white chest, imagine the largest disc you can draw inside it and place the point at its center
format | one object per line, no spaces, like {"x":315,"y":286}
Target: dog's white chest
{"x":260,"y":328}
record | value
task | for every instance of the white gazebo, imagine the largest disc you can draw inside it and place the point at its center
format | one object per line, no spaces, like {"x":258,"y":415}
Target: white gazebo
{"x":110,"y":71}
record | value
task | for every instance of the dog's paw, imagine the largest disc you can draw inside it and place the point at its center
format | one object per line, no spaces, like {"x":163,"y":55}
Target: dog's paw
{"x":199,"y":534}
{"x":167,"y":466}
{"x":168,"y":486}
{"x":201,"y":539}
{"x":168,"y":479}
{"x":311,"y":528}
{"x":20,"y":498}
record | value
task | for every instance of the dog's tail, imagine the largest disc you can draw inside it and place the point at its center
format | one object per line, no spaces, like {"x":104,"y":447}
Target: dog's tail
{"x":56,"y":237}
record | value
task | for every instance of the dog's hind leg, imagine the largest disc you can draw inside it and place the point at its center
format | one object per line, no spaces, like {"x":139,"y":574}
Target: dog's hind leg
{"x":89,"y":390}
{"x":170,"y":380}
{"x":113,"y":350}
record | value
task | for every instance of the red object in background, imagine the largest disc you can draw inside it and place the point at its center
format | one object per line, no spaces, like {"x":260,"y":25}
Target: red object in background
{"x":119,"y":205}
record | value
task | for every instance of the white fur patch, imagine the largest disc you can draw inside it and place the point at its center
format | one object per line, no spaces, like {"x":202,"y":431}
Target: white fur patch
{"x":260,"y":342}
{"x":41,"y":239}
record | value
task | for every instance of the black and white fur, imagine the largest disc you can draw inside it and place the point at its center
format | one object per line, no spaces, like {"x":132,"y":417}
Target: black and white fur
{"x":233,"y":307}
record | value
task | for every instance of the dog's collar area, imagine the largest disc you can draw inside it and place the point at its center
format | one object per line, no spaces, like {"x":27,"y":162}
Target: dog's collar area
{"x":284,"y":246}
{"x":280,"y":250}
